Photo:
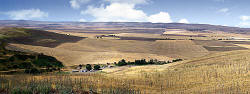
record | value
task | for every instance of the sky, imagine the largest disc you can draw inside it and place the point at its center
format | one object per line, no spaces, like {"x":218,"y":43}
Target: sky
{"x":216,"y":12}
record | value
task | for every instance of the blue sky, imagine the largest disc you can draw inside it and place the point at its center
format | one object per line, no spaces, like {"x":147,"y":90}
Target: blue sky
{"x":218,"y":12}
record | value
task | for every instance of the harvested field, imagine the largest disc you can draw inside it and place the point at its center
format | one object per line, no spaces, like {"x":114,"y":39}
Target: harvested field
{"x":179,"y":48}
{"x":212,"y":45}
{"x":238,"y":42}
{"x":224,"y":48}
{"x":144,"y":35}
{"x":102,"y":51}
{"x":140,"y":38}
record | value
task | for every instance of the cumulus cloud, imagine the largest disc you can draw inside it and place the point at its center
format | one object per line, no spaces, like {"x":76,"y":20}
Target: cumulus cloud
{"x":118,"y":12}
{"x":27,"y":14}
{"x":223,"y":10}
{"x":183,"y":21}
{"x":82,"y":20}
{"x":124,"y":11}
{"x":245,"y":18}
{"x":244,"y":21}
{"x":76,"y":4}
{"x":162,"y":17}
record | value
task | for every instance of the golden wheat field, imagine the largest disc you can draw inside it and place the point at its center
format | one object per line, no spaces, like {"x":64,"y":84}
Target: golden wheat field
{"x":226,"y":72}
{"x":103,"y":51}
{"x":208,"y":67}
{"x":124,"y":47}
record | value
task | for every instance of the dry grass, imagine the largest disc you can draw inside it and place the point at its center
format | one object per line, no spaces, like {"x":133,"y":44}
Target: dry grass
{"x":227,"y":72}
{"x":144,"y":35}
{"x":218,"y":46}
{"x":94,"y":51}
{"x":244,"y":45}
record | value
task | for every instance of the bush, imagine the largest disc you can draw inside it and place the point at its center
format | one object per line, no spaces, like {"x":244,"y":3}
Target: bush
{"x":12,"y":58}
{"x":122,"y":63}
{"x":88,"y":67}
{"x":144,"y":62}
{"x":47,"y":61}
{"x":25,"y":65}
{"x":97,"y":67}
{"x":32,"y":71}
{"x":140,"y":62}
{"x":176,"y":60}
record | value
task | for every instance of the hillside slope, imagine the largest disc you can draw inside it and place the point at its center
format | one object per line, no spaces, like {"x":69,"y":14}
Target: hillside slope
{"x":93,"y":26}
{"x":35,"y":37}
{"x":25,"y":62}
{"x":226,"y":72}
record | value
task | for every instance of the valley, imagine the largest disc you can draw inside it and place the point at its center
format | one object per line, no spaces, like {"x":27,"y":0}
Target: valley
{"x":214,"y":59}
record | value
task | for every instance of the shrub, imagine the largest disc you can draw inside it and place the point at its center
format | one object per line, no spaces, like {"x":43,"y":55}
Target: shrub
{"x":176,"y":60}
{"x":122,"y":63}
{"x":88,"y":67}
{"x":25,"y":65}
{"x":32,"y":71}
{"x":140,"y":62}
{"x":47,"y":61}
{"x":97,"y":67}
{"x":12,"y":58}
{"x":151,"y":61}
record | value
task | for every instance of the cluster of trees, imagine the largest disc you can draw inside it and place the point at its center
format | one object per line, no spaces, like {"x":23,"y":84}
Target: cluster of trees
{"x":96,"y":67}
{"x":31,"y":63}
{"x":144,"y":62}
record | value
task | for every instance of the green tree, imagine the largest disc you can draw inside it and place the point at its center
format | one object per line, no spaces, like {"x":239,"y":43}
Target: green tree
{"x":97,"y":67}
{"x":122,"y":63}
{"x":88,"y":67}
{"x":3,"y":44}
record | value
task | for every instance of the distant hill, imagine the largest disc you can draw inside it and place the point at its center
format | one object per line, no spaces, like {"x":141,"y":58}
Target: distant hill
{"x":35,"y":37}
{"x":44,"y":25}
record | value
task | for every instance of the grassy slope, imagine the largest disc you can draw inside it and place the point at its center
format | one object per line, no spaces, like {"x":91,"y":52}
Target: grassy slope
{"x":11,"y":60}
{"x":226,"y":72}
{"x":96,"y":51}
{"x":220,"y":73}
{"x":35,"y":37}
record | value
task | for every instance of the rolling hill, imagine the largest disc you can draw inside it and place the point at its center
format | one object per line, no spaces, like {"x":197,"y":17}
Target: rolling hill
{"x":90,"y":26}
{"x":23,"y":62}
{"x":35,"y":37}
{"x":225,"y":72}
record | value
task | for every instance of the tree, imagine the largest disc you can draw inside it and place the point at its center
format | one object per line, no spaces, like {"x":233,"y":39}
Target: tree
{"x":122,"y":63}
{"x":32,"y":71}
{"x":80,"y":66}
{"x":140,"y":62}
{"x":3,"y":44}
{"x":151,"y":61}
{"x":88,"y":67}
{"x":97,"y":67}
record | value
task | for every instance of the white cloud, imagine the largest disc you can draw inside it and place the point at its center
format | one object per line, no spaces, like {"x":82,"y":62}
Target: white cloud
{"x":244,"y":24}
{"x":183,"y":21}
{"x":117,"y":12}
{"x":82,"y":20}
{"x":223,"y":10}
{"x":27,"y":14}
{"x":129,"y":1}
{"x":245,"y":18}
{"x":124,"y":11}
{"x":162,"y":17}
{"x":76,"y":4}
